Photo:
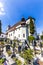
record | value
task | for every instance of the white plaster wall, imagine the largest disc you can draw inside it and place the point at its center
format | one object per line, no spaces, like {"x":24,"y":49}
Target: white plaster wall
{"x":28,"y":21}
{"x":21,"y":31}
{"x":11,"y":36}
{"x":2,"y":36}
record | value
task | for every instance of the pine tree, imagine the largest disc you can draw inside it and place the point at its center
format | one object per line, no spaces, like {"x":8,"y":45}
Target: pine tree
{"x":32,"y":27}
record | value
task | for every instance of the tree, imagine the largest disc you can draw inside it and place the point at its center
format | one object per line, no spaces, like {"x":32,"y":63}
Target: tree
{"x":32,"y":27}
{"x":31,"y":38}
{"x":41,"y":37}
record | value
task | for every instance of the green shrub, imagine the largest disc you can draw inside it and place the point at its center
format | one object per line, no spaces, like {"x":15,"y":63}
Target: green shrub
{"x":31,"y":38}
{"x":2,"y":61}
{"x":27,"y":54}
{"x":18,"y":62}
{"x":41,"y":37}
{"x":25,"y":63}
{"x":9,"y":53}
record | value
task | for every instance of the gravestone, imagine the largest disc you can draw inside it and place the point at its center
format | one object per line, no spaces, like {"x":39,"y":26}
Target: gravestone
{"x":7,"y":47}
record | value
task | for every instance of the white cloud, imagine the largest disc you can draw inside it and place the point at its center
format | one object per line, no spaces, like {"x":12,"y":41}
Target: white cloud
{"x":2,"y":11}
{"x":1,"y":5}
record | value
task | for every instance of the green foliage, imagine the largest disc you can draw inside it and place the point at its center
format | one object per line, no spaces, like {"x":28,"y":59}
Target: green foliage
{"x":27,"y":54}
{"x":13,"y":45}
{"x":31,"y":38}
{"x":41,"y":44}
{"x":15,"y":40}
{"x":2,"y":43}
{"x":18,"y":62}
{"x":32,"y":27}
{"x":41,"y":37}
{"x":25,"y":63}
{"x":9,"y":52}
{"x":2,"y":61}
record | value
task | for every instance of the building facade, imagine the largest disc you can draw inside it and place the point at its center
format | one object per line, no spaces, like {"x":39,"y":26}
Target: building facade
{"x":20,"y":30}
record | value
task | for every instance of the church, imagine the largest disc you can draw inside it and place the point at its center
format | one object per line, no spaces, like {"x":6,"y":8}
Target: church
{"x":20,"y":30}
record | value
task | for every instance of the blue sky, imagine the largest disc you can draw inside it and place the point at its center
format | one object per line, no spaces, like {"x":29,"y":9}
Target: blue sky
{"x":11,"y":11}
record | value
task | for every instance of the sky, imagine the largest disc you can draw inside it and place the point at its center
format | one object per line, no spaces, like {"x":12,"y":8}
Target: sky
{"x":11,"y":11}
